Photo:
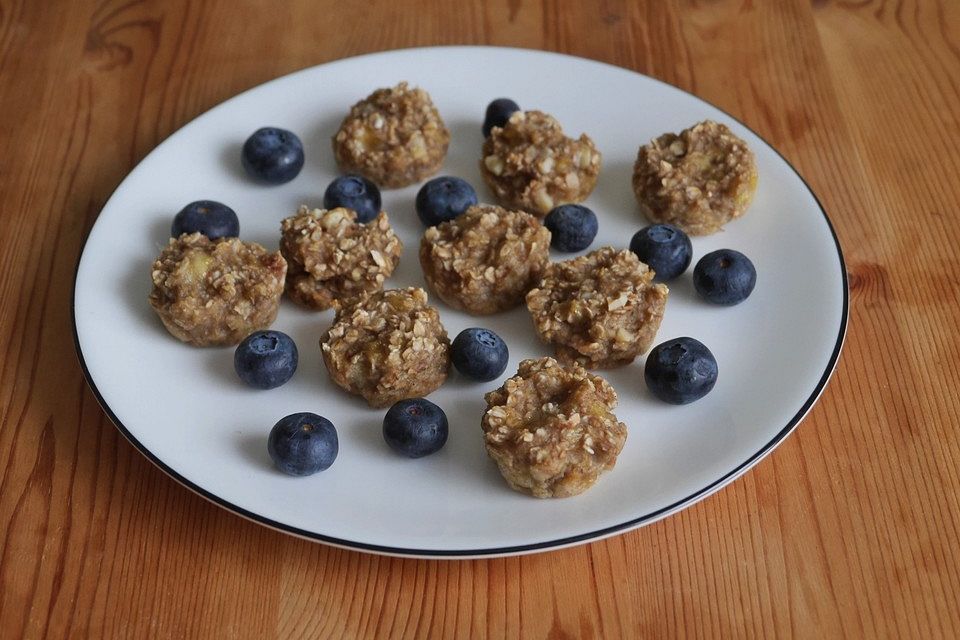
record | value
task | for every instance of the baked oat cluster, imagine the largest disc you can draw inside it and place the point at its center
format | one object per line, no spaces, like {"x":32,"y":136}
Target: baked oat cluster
{"x":333,"y":258}
{"x":486,"y":259}
{"x":387,"y":347}
{"x":599,"y":310}
{"x":216,"y":292}
{"x":530,"y":164}
{"x":394,"y":137}
{"x":698,"y":180}
{"x":551,"y":429}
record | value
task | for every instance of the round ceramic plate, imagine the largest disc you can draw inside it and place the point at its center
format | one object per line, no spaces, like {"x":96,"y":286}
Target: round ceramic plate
{"x":185,"y":409}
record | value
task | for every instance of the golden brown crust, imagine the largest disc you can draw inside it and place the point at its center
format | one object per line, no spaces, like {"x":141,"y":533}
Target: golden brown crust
{"x":486,"y":259}
{"x":394,"y":137}
{"x":216,"y":292}
{"x":551,"y":429}
{"x":387,"y":347}
{"x":599,"y":310}
{"x":530,"y":164}
{"x":332,"y":258}
{"x":698,"y":180}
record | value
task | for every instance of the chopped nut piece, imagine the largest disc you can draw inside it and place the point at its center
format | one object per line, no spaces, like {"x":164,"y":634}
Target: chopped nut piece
{"x":494,"y":164}
{"x":216,"y":292}
{"x":387,"y":347}
{"x":698,"y":180}
{"x":551,"y":429}
{"x":530,"y":164}
{"x":542,"y":200}
{"x":486,"y":259}
{"x":334,"y":258}
{"x":617,"y":303}
{"x":395,"y":137}
{"x":599,"y":310}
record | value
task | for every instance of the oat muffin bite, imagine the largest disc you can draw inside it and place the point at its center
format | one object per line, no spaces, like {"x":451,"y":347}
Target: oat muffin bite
{"x":599,"y":310}
{"x":486,"y":259}
{"x":387,"y":347}
{"x":530,"y":164}
{"x":551,"y":429}
{"x":216,"y":292}
{"x":394,"y":137}
{"x":698,"y":180}
{"x":331,"y":257}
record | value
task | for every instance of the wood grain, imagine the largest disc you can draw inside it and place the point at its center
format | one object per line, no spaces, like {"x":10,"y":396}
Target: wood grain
{"x":849,"y":529}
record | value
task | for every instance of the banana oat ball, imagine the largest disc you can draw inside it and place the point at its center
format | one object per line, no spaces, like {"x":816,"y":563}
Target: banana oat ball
{"x":599,"y":310}
{"x":333,"y":258}
{"x":394,"y":137}
{"x":387,"y":347}
{"x":486,"y":259}
{"x":529,"y":164}
{"x":216,"y":292}
{"x":551,"y":429}
{"x":698,"y":180}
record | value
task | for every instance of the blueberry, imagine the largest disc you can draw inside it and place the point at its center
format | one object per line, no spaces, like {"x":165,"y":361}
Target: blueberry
{"x":415,"y":427}
{"x":498,"y":112}
{"x":479,"y":354}
{"x":212,"y":219}
{"x":724,"y":277}
{"x":680,"y":371}
{"x":665,"y":248}
{"x":354,"y":192}
{"x":572,"y":227}
{"x":443,"y":199}
{"x":303,"y":443}
{"x":273,"y":155}
{"x":266,"y":359}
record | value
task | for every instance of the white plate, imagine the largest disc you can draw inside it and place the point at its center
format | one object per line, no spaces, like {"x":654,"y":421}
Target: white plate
{"x":186,"y":411}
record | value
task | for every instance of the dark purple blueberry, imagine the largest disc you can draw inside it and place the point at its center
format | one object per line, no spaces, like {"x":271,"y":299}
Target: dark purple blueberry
{"x":415,"y":427}
{"x":498,"y":112}
{"x":266,"y":359}
{"x":680,"y":371}
{"x":302,"y":444}
{"x":572,"y":227}
{"x":479,"y":354}
{"x":664,"y":248}
{"x":212,"y":219}
{"x":354,"y":192}
{"x":272,"y":155}
{"x":724,"y":277}
{"x":444,"y":198}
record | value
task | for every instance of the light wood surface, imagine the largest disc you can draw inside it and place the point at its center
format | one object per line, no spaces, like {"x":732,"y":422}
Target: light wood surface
{"x":850,"y":528}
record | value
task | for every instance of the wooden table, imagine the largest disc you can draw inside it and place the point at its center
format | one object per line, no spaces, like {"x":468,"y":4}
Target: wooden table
{"x":850,"y":528}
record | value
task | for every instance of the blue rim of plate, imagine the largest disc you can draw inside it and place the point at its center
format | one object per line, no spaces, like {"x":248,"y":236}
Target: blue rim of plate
{"x":597,"y":534}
